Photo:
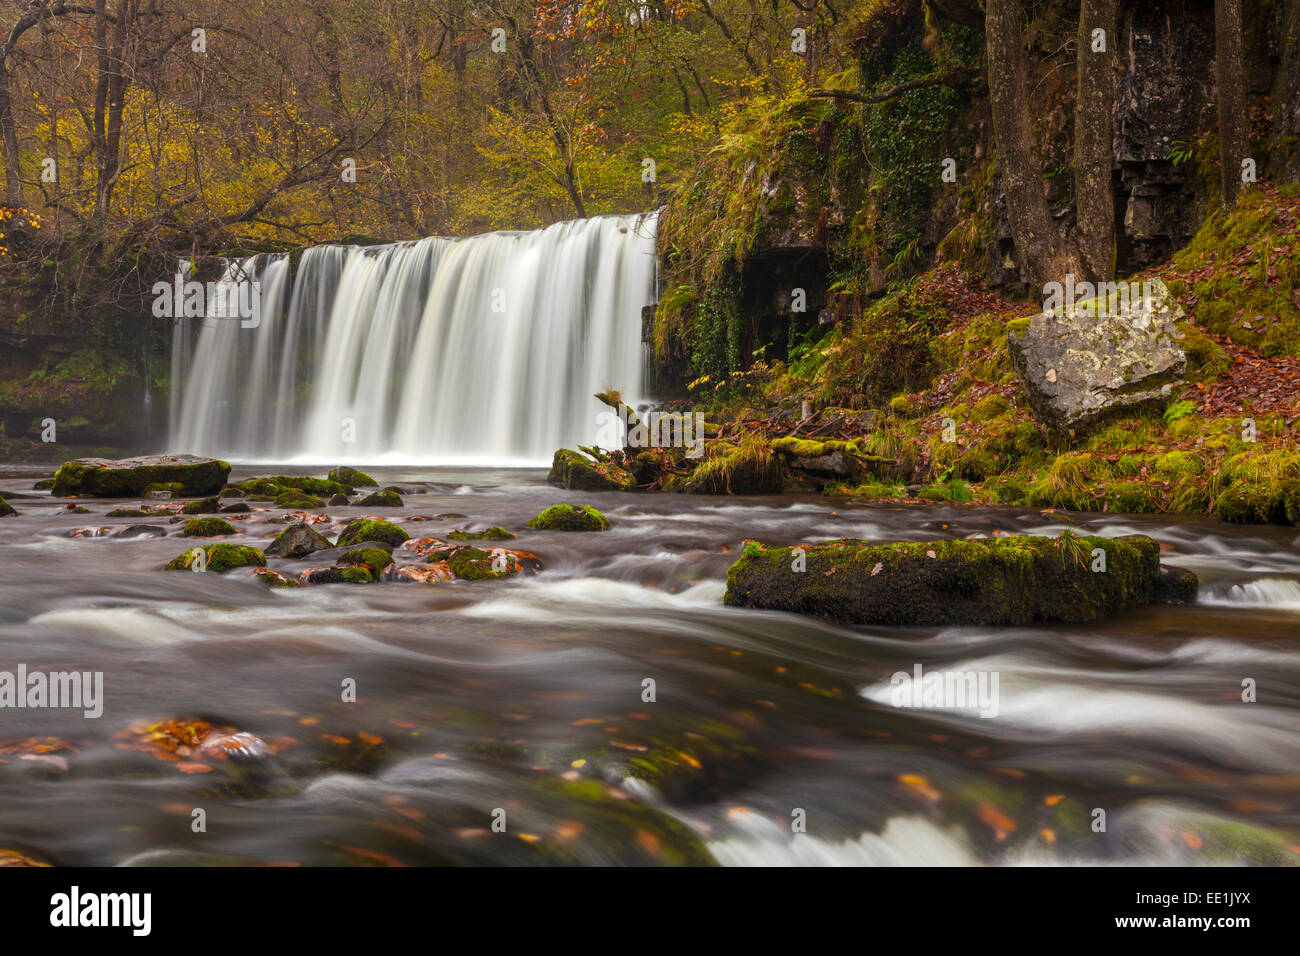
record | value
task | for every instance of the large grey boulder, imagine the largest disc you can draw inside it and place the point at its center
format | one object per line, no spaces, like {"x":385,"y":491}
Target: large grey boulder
{"x":1087,"y":361}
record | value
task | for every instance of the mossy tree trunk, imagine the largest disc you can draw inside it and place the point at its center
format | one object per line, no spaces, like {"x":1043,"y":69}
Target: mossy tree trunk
{"x":1093,"y":137}
{"x":1230,"y":78}
{"x":1286,"y":98}
{"x":1042,"y":251}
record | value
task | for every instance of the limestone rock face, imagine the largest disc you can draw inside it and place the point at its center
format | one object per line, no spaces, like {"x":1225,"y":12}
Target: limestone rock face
{"x":1088,"y":361}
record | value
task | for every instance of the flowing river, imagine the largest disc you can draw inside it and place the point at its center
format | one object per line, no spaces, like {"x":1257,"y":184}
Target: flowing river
{"x":522,"y":701}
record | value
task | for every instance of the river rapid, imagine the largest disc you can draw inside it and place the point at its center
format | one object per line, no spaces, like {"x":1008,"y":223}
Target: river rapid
{"x":521,"y":703}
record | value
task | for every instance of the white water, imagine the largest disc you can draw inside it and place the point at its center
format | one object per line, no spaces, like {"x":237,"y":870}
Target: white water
{"x":485,"y":350}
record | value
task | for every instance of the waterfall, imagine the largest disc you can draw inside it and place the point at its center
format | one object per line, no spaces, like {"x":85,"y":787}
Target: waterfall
{"x":485,"y":350}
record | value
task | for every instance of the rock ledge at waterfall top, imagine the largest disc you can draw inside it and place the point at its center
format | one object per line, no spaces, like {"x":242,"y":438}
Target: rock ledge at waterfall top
{"x":191,"y":476}
{"x":1078,"y":367}
{"x":1006,"y":581}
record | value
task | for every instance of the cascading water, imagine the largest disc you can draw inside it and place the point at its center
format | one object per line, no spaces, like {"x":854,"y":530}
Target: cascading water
{"x":479,"y":350}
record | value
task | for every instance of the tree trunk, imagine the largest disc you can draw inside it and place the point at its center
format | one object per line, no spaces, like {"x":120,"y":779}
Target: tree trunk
{"x":1094,"y":195}
{"x":1286,"y":99}
{"x":9,"y":139}
{"x":1230,"y":78}
{"x":1040,"y":248}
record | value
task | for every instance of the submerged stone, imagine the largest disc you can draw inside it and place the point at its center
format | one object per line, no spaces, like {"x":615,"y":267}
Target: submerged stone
{"x":1014,"y":580}
{"x":495,"y":533}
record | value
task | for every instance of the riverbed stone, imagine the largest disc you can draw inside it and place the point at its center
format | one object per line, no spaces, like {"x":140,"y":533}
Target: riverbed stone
{"x":371,"y":529}
{"x":6,"y":509}
{"x":1007,"y":581}
{"x":381,"y":499}
{"x":207,"y":528}
{"x":132,"y":477}
{"x":569,"y":518}
{"x":1095,"y":359}
{"x":352,"y":477}
{"x":219,"y":557}
{"x":297,"y":541}
{"x":579,"y":472}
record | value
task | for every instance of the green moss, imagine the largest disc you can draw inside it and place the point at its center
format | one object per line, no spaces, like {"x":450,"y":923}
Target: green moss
{"x":947,"y":491}
{"x":377,"y":558}
{"x":352,"y":478}
{"x":473,"y":564}
{"x":207,"y":528}
{"x":371,"y":529}
{"x":751,"y":469}
{"x":6,"y":509}
{"x":386,"y":498}
{"x":495,"y":533}
{"x":220,"y":557}
{"x":574,"y":470}
{"x":570,"y":518}
{"x":296,"y":499}
{"x":998,"y":581}
{"x":1258,"y":487}
{"x":203,"y":506}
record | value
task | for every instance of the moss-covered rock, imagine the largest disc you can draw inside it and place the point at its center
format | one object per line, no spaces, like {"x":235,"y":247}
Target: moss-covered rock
{"x":381,"y":499}
{"x":991,"y":581}
{"x":574,"y":470}
{"x":203,"y":506}
{"x":376,"y":558}
{"x":6,"y":509}
{"x":751,"y":469}
{"x":372,"y":529}
{"x":345,"y":574}
{"x":495,"y":533}
{"x":570,"y":518}
{"x":132,"y":477}
{"x":474,"y":564}
{"x":338,"y":501}
{"x":206,"y":528}
{"x":352,"y":477}
{"x":295,"y":500}
{"x":219,"y":557}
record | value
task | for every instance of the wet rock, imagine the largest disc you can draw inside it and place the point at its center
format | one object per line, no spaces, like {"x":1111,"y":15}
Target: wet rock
{"x":297,"y":541}
{"x":274,"y":579}
{"x":1014,"y":580}
{"x":132,"y":477}
{"x":6,"y":509}
{"x":218,"y":558}
{"x":45,"y":484}
{"x":206,"y":528}
{"x":376,"y":558}
{"x":1174,"y":586}
{"x":204,"y":506}
{"x":424,"y":574}
{"x":372,"y":529}
{"x":338,"y":501}
{"x":296,"y":500}
{"x":1079,"y":368}
{"x":386,"y":498}
{"x":495,"y":533}
{"x":75,"y":510}
{"x":825,"y":461}
{"x":146,"y":512}
{"x":237,"y":508}
{"x":90,"y":532}
{"x":352,"y":477}
{"x":474,"y":564}
{"x":141,"y":531}
{"x":574,"y":470}
{"x":343,"y":574}
{"x":569,"y":518}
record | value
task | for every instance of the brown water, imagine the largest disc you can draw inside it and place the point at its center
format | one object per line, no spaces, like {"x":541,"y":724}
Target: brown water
{"x":526,"y":696}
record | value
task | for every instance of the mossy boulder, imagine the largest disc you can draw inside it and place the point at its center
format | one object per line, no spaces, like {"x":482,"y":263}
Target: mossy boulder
{"x":570,"y":518}
{"x":579,"y":472}
{"x":372,"y":529}
{"x":206,"y":528}
{"x":1096,"y":359}
{"x":376,"y":558}
{"x":348,"y":574}
{"x":6,"y":509}
{"x":203,"y":506}
{"x":381,"y":499}
{"x":495,"y":533}
{"x":297,"y":541}
{"x":295,"y":500}
{"x":989,"y":581}
{"x":750,"y":469}
{"x":131,"y":477}
{"x":475,"y":564}
{"x":220,"y":557}
{"x":826,"y":461}
{"x":352,"y":477}
{"x":338,"y":501}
